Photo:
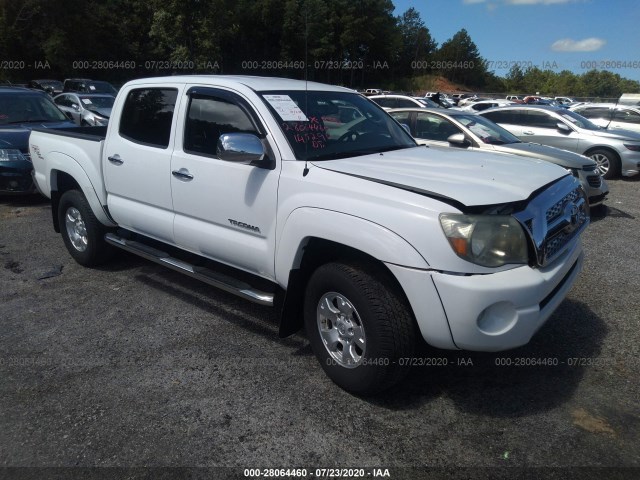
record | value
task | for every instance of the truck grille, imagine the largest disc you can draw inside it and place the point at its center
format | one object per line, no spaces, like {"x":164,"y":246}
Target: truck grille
{"x":551,"y":223}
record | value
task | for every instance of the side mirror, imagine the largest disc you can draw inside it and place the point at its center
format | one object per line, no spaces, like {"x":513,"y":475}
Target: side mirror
{"x":406,"y":127}
{"x":244,"y":148}
{"x":563,"y":127}
{"x":75,"y":106}
{"x":459,"y":140}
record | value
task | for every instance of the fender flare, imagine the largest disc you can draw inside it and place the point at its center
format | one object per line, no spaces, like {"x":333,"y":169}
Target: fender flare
{"x":371,"y":238}
{"x":60,"y":162}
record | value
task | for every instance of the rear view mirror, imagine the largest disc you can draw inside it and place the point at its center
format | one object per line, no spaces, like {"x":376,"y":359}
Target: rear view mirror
{"x":244,"y":148}
{"x":459,"y":140}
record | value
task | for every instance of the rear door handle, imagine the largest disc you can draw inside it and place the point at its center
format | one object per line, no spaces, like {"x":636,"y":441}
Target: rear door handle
{"x":116,"y":160}
{"x":182,"y":174}
{"x":527,"y":132}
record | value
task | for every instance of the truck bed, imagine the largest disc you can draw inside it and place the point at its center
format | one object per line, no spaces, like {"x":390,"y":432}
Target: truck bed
{"x":76,"y":151}
{"x":94,"y":134}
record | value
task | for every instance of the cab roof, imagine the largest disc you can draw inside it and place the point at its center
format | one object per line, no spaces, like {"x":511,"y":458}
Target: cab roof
{"x":255,"y":83}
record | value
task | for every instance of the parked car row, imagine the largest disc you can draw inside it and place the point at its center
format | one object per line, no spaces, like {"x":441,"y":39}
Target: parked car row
{"x":79,"y":85}
{"x":606,"y":132}
{"x":617,"y":152}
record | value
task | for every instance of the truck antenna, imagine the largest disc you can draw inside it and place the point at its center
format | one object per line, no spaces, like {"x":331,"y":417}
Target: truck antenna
{"x":306,"y":80}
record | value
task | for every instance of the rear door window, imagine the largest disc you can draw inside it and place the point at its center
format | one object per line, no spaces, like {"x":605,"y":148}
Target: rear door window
{"x":595,"y":112}
{"x":147,"y":115}
{"x":511,"y":117}
{"x":627,"y":116}
{"x":539,"y":119}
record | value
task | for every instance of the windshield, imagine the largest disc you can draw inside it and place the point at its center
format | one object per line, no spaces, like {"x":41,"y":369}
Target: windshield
{"x":21,"y":108}
{"x":51,"y":83}
{"x":428,"y":103}
{"x":578,"y":120}
{"x":92,"y":103}
{"x":486,"y":130}
{"x":325,"y":125}
{"x":101,"y":87}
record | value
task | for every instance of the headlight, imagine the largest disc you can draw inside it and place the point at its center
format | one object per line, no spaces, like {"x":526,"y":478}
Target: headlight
{"x":487,"y":240}
{"x":11,"y":155}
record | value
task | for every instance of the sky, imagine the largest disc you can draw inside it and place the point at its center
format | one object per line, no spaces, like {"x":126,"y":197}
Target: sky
{"x":575,"y":35}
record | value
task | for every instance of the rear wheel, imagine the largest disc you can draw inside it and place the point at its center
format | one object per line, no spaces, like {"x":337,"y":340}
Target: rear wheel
{"x":360,"y":328}
{"x":81,"y":231}
{"x":608,"y":163}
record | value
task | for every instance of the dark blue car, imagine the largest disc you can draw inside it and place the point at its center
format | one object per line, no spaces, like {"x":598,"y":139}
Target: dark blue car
{"x":21,"y":110}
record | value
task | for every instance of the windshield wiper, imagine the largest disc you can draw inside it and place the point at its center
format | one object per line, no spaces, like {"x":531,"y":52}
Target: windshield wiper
{"x":357,"y":153}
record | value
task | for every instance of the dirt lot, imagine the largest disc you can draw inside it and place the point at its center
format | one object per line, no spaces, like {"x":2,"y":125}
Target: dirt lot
{"x":133,"y":365}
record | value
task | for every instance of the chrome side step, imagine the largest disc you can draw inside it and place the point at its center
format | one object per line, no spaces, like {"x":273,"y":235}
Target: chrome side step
{"x":215,"y":279}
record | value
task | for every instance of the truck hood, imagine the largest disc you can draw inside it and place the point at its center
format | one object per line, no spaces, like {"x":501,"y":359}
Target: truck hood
{"x":469,"y":178}
{"x":555,"y":155}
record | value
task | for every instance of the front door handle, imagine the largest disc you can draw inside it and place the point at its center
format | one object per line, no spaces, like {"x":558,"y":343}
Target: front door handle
{"x":182,"y":174}
{"x":116,"y":160}
{"x":527,"y":132}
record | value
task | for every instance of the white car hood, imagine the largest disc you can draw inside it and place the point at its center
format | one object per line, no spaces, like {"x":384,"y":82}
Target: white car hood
{"x":470,"y":178}
{"x":564,"y":158}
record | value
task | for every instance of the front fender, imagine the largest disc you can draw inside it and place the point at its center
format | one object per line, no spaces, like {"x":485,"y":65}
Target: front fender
{"x":310,"y":222}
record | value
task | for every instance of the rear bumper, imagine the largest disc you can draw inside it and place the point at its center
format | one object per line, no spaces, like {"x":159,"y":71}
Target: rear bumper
{"x":597,"y":200}
{"x":629,"y":163}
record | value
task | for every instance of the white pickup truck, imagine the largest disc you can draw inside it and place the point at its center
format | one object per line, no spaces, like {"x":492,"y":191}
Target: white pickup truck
{"x":311,"y":198}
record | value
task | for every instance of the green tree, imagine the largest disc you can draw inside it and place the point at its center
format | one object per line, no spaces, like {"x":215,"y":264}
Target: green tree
{"x":417,"y":43}
{"x":514,"y":80}
{"x":468,"y":66}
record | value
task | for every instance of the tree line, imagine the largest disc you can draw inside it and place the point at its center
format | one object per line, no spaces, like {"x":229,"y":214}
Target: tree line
{"x":355,"y":43}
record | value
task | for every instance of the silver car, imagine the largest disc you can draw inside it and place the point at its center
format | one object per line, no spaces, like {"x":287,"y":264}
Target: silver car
{"x":616,"y":152}
{"x":467,"y":130}
{"x":86,"y":109}
{"x":611,"y":116}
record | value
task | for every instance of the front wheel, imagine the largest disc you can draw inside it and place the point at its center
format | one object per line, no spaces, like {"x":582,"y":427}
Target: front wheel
{"x":81,"y":231}
{"x":608,"y":163}
{"x":360,"y":328}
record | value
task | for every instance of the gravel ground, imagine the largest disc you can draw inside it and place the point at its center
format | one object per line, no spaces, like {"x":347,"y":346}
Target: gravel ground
{"x":133,"y":365}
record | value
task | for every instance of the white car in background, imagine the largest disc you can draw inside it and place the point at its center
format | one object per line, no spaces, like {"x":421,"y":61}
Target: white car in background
{"x":86,"y":109}
{"x":611,"y":116}
{"x":484,"y":105}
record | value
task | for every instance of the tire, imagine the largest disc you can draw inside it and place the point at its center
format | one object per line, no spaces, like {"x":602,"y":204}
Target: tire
{"x":81,"y":231}
{"x":348,"y":302}
{"x":608,"y":163}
